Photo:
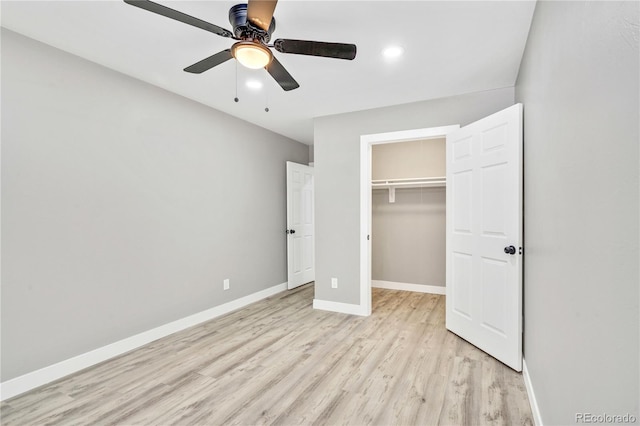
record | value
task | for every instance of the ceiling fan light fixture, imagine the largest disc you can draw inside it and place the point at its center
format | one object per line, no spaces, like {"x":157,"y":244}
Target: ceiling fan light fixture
{"x":251,"y":55}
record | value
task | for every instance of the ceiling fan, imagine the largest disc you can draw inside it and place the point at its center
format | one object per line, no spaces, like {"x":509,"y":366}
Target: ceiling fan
{"x":253,"y":24}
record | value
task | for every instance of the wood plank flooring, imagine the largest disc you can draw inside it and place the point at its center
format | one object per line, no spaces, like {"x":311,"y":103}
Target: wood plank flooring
{"x":281,"y":362}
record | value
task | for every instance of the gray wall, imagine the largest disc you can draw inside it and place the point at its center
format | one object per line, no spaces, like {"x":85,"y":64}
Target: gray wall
{"x":124,"y":206}
{"x":408,"y":236}
{"x":337,"y":168}
{"x":409,"y":160}
{"x":579,"y":86}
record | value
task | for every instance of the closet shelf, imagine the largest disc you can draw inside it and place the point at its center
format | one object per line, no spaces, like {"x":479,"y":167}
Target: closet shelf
{"x":409,"y":183}
{"x":392,"y":184}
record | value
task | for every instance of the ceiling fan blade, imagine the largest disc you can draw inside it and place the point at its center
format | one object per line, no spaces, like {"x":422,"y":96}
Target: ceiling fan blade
{"x":260,"y":12}
{"x":210,"y":62}
{"x":316,"y":48}
{"x":281,"y":75}
{"x":179,"y":16}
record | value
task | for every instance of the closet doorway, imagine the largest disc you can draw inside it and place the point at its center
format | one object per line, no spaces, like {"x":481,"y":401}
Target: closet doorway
{"x":389,"y":185}
{"x":408,"y":216}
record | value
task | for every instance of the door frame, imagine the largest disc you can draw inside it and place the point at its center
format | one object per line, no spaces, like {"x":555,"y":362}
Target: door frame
{"x":366,"y":143}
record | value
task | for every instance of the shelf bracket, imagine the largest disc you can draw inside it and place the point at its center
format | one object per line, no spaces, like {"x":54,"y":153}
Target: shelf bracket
{"x":392,"y":194}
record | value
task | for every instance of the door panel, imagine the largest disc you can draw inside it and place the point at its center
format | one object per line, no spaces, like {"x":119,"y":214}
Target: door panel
{"x":461,"y":285}
{"x":462,"y":202}
{"x":494,"y":287}
{"x":484,"y":215}
{"x":494,"y":220}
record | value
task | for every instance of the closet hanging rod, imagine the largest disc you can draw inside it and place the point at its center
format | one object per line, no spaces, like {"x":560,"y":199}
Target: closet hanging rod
{"x":415,"y":182}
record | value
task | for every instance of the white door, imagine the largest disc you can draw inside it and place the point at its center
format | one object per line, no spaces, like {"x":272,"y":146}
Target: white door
{"x":300,"y":225}
{"x":484,"y":235}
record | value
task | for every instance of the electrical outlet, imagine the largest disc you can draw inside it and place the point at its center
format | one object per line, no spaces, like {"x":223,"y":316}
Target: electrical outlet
{"x":334,"y":283}
{"x":225,"y":284}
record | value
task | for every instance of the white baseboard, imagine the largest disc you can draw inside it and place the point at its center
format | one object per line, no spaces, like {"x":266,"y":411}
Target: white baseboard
{"x":432,"y":289}
{"x":535,"y":410}
{"x":45,"y":375}
{"x":343,"y":308}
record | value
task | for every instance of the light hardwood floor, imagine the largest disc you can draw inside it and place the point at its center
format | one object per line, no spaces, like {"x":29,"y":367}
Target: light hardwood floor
{"x":281,"y":362}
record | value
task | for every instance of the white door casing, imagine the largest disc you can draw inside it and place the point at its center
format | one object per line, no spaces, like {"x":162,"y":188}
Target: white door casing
{"x":366,"y":143}
{"x":300,"y":225}
{"x":484,"y":218}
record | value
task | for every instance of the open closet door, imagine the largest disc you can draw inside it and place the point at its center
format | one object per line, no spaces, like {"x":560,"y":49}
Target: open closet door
{"x":300,"y":225}
{"x":484,"y":235}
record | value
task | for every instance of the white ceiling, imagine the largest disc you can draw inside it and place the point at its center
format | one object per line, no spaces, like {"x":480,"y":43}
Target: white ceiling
{"x":450,"y":48}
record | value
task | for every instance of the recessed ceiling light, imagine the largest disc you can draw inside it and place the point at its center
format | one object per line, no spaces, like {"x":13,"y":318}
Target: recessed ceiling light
{"x":392,"y":52}
{"x":254,"y":84}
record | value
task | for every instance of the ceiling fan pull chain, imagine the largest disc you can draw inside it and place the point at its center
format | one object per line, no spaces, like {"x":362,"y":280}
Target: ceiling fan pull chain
{"x":266,"y":95}
{"x":236,"y":98}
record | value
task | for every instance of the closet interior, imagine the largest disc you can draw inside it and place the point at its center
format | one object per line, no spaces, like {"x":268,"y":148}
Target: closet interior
{"x":408,"y":215}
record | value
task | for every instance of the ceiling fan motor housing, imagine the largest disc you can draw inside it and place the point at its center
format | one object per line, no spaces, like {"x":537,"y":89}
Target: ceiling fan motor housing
{"x":244,"y":30}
